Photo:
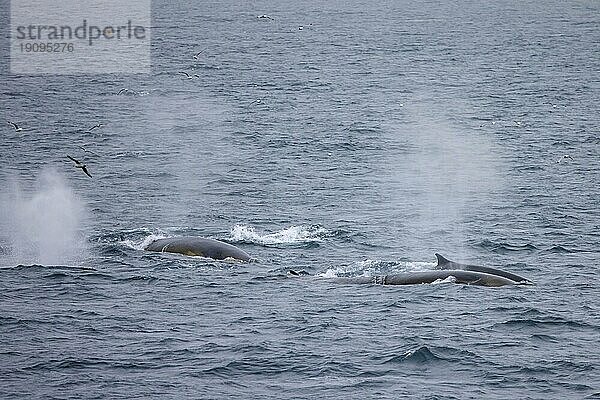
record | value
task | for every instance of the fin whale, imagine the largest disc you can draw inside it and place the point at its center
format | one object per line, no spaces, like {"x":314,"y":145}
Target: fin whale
{"x":461,"y":273}
{"x":197,"y":246}
{"x":445,"y":264}
{"x":418,"y":277}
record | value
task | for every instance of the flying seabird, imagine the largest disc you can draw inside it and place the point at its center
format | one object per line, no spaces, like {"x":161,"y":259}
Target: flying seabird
{"x":94,"y":127}
{"x":126,"y":91}
{"x":257,"y":101}
{"x":564,"y":158}
{"x":189,"y":76}
{"x":17,"y":127}
{"x":198,"y":53}
{"x":260,"y":100}
{"x":79,"y":164}
{"x":86,"y":150}
{"x":492,"y":122}
{"x":265,"y":16}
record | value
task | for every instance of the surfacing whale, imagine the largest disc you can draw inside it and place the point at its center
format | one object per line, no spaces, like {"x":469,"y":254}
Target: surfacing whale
{"x":197,"y":246}
{"x":445,"y":264}
{"x":418,"y":277}
{"x":456,"y":272}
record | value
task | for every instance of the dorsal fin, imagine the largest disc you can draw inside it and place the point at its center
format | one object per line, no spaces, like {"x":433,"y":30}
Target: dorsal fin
{"x":441,"y":260}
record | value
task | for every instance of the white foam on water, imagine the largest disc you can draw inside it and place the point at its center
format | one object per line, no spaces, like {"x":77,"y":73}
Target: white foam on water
{"x":370,"y":267}
{"x":449,"y":279}
{"x":293,"y":234}
{"x":143,"y":243}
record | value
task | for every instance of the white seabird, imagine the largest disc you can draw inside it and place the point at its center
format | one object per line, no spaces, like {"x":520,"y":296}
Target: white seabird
{"x":17,"y":127}
{"x":566,"y":156}
{"x":88,"y":151}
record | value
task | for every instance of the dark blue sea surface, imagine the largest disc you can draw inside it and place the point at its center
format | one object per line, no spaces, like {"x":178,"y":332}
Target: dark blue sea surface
{"x":340,"y":139}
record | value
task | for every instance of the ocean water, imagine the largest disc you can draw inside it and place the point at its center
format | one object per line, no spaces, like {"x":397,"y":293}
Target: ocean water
{"x":361,"y":144}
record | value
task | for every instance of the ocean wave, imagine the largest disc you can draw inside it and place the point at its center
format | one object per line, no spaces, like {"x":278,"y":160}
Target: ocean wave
{"x":249,"y":366}
{"x":545,"y":338}
{"x":30,"y":323}
{"x":267,"y":278}
{"x":552,"y":365}
{"x":46,"y":267}
{"x":293,"y":235}
{"x":560,"y":250}
{"x":430,"y":355}
{"x":419,"y":355}
{"x":59,"y":275}
{"x":142,"y":278}
{"x":504,"y":247}
{"x":69,"y":363}
{"x":549,"y":322}
{"x":77,"y":274}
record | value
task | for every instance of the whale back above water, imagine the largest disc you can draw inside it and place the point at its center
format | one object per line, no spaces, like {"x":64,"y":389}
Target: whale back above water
{"x":445,"y":264}
{"x":446,"y":269}
{"x":419,"y":277}
{"x":197,"y":246}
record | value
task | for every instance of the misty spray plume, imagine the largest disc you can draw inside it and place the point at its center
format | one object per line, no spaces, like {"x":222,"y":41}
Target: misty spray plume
{"x":42,"y":226}
{"x":448,"y":175}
